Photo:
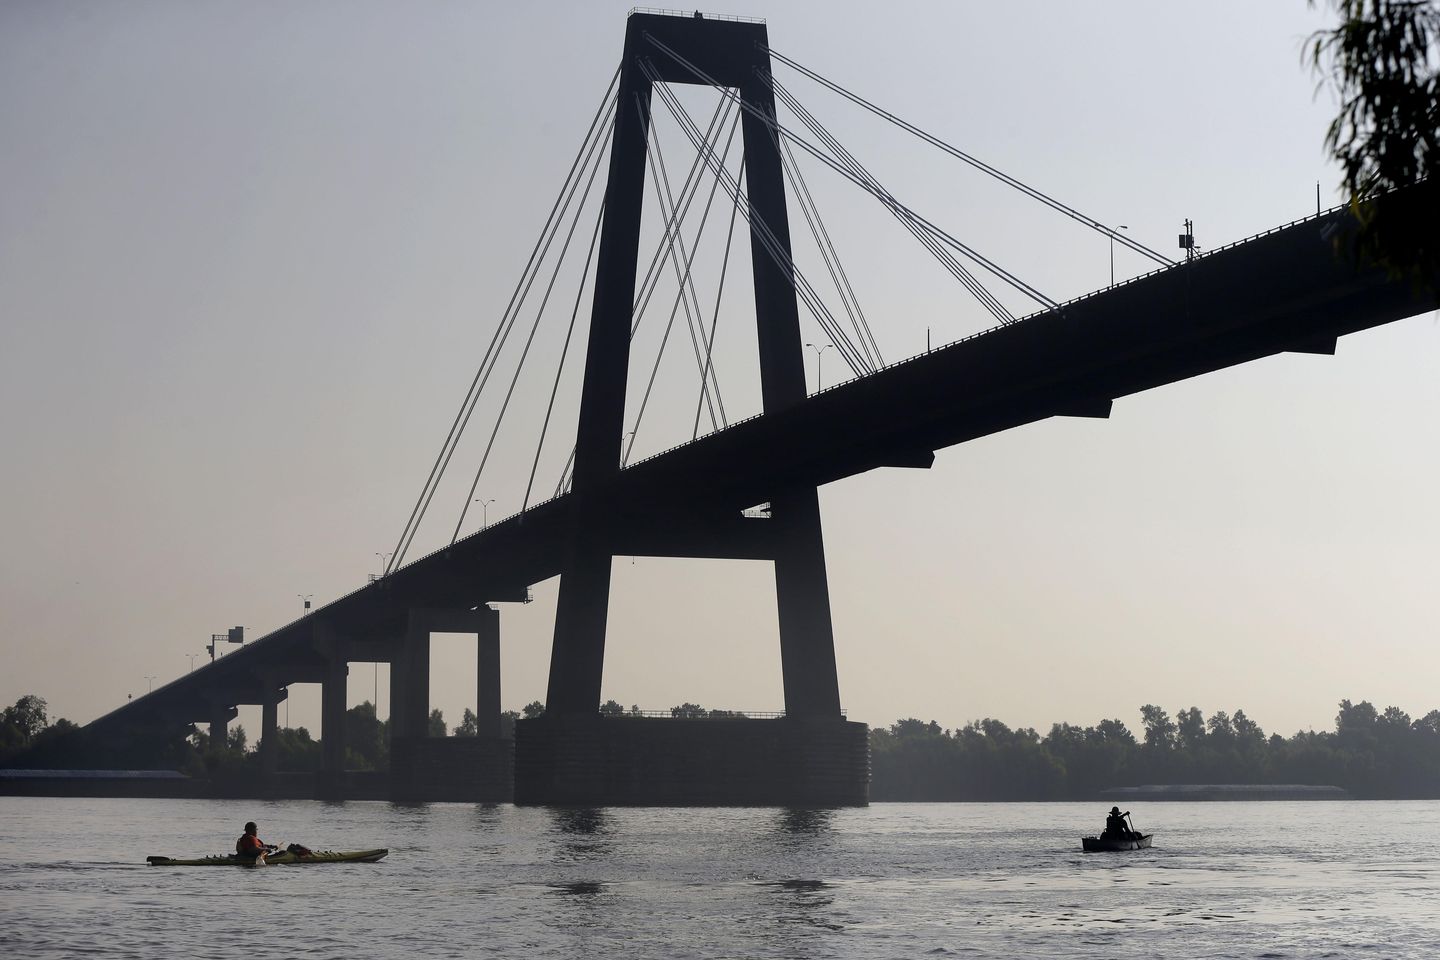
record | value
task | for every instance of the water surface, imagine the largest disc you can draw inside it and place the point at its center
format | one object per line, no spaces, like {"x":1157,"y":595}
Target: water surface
{"x":1263,"y":880}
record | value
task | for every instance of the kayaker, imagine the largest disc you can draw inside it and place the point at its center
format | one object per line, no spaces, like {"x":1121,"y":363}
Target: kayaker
{"x":1115,"y":826}
{"x":250,"y":846}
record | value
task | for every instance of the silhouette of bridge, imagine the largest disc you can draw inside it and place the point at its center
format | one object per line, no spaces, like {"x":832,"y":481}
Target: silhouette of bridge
{"x":1282,"y":291}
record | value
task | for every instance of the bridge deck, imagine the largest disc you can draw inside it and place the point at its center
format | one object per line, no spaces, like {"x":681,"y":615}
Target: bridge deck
{"x":1281,"y":291}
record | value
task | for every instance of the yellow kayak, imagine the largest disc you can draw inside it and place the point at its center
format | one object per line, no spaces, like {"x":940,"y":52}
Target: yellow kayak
{"x":279,"y":858}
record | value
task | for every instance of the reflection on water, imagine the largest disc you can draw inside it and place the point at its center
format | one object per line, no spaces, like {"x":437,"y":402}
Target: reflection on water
{"x":805,"y":821}
{"x":582,"y":833}
{"x":912,"y":880}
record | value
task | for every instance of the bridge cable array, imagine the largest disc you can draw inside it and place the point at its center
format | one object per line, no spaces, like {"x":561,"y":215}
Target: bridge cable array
{"x":668,"y":240}
{"x":761,"y":231}
{"x":861,"y":352}
{"x":851,"y":170}
{"x":978,"y":164}
{"x":596,"y":134}
{"x":686,"y":284}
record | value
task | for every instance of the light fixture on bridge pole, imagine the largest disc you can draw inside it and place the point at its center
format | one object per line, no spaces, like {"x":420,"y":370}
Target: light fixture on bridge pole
{"x":1112,"y":251}
{"x":484,"y":511}
{"x":150,"y":685}
{"x":305,"y":599}
{"x":819,"y":352}
{"x":192,"y":657}
{"x":384,"y":562}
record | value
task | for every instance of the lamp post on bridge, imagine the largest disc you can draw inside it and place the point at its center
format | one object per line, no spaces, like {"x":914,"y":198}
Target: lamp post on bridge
{"x":484,"y":511}
{"x":192,"y":657}
{"x":150,"y":683}
{"x":305,"y":599}
{"x":1112,"y":251}
{"x":819,"y":352}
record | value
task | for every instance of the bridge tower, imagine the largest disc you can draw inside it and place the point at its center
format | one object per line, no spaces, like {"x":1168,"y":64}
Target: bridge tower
{"x":733,"y":54}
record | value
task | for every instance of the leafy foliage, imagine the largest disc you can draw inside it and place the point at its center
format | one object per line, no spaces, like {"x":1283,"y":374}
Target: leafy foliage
{"x":1383,"y":60}
{"x":436,"y":725}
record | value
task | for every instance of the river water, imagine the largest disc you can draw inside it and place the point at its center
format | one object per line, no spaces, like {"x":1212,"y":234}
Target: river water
{"x":1262,"y":880}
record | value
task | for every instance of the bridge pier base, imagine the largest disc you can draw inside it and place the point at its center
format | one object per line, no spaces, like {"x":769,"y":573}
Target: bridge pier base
{"x":422,"y":767}
{"x":331,"y":783}
{"x":645,"y":761}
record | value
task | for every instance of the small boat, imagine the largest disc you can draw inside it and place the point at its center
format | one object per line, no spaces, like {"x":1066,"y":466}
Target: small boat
{"x":1105,"y":844}
{"x":278,"y":858}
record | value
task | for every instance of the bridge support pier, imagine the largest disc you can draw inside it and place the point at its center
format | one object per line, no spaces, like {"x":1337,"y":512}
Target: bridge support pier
{"x":487,"y":670}
{"x":332,"y":727}
{"x":802,"y":600}
{"x":423,"y":767}
{"x":220,"y":714}
{"x":270,"y":730}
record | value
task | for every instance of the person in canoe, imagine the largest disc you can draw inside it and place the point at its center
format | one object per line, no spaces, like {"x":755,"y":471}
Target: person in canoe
{"x":1115,"y":826}
{"x":250,"y":846}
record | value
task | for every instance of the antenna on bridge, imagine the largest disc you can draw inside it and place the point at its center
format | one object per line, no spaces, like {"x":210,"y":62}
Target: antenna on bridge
{"x":1187,"y":240}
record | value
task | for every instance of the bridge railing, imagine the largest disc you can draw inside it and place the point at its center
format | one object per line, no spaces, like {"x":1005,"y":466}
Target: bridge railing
{"x":662,"y":12}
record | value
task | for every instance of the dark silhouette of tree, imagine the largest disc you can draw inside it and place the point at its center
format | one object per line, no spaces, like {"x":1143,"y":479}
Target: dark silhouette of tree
{"x":22,"y":722}
{"x":1159,"y":728}
{"x":235,"y":738}
{"x":1372,"y":754}
{"x":689,"y":711}
{"x":367,"y":739}
{"x":534,"y":710}
{"x":469,"y":724}
{"x":1190,"y":728}
{"x":435,"y":727}
{"x":611,"y":709}
{"x":1383,"y":60}
{"x":1219,"y":728}
{"x":298,"y":753}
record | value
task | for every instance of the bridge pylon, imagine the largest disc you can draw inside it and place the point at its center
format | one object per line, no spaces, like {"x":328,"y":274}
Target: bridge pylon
{"x":733,"y":54}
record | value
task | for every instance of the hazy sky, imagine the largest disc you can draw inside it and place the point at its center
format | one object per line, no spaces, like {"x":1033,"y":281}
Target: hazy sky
{"x":251,"y":253}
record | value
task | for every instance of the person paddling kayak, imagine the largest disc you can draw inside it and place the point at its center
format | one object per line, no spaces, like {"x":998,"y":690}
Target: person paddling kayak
{"x":1115,"y":826}
{"x":250,"y":846}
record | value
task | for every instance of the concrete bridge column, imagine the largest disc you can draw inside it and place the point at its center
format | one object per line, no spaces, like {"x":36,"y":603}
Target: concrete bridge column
{"x":487,"y":700}
{"x":802,"y":601}
{"x":220,"y":714}
{"x":410,"y":679}
{"x":332,"y":724}
{"x":270,"y":727}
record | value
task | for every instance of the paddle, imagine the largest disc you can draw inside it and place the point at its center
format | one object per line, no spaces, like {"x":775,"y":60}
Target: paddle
{"x":1132,"y":825}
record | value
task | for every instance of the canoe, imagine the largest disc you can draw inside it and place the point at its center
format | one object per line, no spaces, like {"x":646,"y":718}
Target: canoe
{"x":1103,"y":844}
{"x":279,"y":858}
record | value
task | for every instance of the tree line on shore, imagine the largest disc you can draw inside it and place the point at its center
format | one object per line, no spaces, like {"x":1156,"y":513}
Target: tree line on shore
{"x":1371,"y":753}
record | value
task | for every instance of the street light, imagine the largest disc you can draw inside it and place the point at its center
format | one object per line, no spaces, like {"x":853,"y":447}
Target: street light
{"x":1112,"y":252}
{"x":384,"y":561}
{"x":192,"y":657}
{"x":819,"y":352}
{"x":151,"y":685}
{"x":484,"y":511}
{"x":305,"y":599}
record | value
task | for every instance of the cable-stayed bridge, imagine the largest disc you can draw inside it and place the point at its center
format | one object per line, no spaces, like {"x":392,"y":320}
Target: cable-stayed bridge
{"x":1284,"y":291}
